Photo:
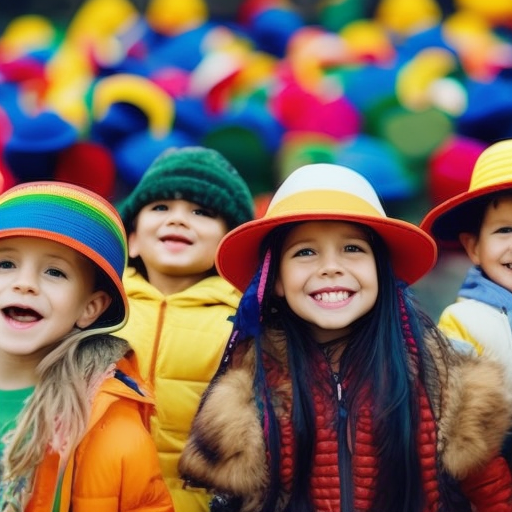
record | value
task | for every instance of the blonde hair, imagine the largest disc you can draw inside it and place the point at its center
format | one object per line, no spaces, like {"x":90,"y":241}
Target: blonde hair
{"x":57,"y":414}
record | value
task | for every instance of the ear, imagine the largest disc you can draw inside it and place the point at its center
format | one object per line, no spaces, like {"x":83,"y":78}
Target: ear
{"x":99,"y":301}
{"x":133,"y":245}
{"x":470,"y":243}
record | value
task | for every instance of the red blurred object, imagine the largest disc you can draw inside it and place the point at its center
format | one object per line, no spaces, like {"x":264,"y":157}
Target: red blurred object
{"x":7,"y":179}
{"x":261,"y":202}
{"x":89,"y":165}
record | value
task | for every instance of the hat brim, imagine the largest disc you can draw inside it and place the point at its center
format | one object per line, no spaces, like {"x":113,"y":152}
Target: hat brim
{"x":116,"y":314}
{"x":444,"y":222}
{"x":413,"y":253}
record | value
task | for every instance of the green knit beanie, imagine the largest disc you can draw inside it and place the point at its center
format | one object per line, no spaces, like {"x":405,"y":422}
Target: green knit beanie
{"x":196,"y":174}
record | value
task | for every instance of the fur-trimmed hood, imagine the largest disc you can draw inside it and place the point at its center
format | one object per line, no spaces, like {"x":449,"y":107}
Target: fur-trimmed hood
{"x":226,"y":449}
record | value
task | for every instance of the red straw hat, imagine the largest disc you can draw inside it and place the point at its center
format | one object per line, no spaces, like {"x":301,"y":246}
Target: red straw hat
{"x":326,"y":192}
{"x":492,"y":173}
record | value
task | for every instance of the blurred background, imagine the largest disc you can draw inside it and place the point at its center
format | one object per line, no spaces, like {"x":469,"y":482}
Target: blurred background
{"x":409,"y":93}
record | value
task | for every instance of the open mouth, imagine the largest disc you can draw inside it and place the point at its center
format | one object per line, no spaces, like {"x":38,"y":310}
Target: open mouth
{"x":176,"y":239}
{"x":23,"y":315}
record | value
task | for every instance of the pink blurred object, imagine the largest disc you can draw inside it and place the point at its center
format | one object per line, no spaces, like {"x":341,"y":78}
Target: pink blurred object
{"x":450,"y":167}
{"x":301,"y":110}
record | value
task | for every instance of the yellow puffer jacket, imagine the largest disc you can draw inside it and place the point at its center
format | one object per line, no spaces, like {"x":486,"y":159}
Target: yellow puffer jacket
{"x":179,"y":340}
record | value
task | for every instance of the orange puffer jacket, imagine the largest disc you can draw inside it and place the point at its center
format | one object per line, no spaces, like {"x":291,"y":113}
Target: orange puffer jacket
{"x":115,"y":467}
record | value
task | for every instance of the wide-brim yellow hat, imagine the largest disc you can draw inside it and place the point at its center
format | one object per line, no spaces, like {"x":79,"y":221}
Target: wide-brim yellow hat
{"x":492,"y":173}
{"x":326,"y":192}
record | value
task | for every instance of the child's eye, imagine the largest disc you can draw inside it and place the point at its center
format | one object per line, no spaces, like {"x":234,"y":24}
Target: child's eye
{"x":55,"y":272}
{"x":6,"y":264}
{"x":205,"y":212}
{"x":505,"y":229}
{"x":353,"y":248}
{"x":160,"y":207}
{"x":304,"y":252}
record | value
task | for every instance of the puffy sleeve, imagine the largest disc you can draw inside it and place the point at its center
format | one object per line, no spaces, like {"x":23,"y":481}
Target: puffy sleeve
{"x":116,"y":466}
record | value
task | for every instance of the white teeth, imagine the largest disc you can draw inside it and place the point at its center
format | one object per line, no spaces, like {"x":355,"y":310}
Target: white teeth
{"x":24,"y":318}
{"x":331,"y":296}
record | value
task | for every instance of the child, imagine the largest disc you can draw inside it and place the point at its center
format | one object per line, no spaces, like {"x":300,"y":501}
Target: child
{"x":71,"y":407}
{"x":180,"y":309}
{"x":335,"y":393}
{"x":481,"y":221}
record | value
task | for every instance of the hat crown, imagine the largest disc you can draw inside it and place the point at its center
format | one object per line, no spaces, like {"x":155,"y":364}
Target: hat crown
{"x":493,"y":166}
{"x":197,"y":174}
{"x":335,"y":179}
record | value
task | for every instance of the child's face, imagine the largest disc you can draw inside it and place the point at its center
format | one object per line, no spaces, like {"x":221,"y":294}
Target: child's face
{"x":492,"y":248}
{"x":328,"y":276}
{"x":46,"y":289}
{"x":176,"y":238}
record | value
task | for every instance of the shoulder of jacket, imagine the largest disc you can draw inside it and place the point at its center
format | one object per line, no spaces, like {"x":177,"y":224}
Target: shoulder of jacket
{"x":476,"y":412}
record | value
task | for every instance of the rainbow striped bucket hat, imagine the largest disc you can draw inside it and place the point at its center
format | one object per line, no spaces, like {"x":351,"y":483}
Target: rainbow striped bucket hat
{"x":78,"y":218}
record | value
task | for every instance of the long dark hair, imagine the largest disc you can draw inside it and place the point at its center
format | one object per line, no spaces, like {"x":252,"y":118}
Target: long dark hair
{"x":385,"y":354}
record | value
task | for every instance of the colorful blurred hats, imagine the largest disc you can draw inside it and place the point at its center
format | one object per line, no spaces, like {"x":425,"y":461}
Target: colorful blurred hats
{"x":450,"y":167}
{"x":33,"y":147}
{"x":89,"y":165}
{"x":492,"y":173}
{"x":380,"y":163}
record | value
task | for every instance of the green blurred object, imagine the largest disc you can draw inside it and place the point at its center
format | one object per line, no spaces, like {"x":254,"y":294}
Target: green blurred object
{"x":333,"y":15}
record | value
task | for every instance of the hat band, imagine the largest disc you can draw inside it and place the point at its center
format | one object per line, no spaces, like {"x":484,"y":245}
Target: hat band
{"x":322,"y":202}
{"x":65,"y":222}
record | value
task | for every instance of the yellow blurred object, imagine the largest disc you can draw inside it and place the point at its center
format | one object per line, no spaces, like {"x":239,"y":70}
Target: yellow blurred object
{"x":491,"y":10}
{"x":258,"y":68}
{"x":175,"y":16}
{"x":481,"y":52}
{"x":70,"y":74}
{"x":139,"y":91}
{"x":26,"y":33}
{"x":97,"y":21}
{"x":406,"y":17}
{"x":416,"y":76}
{"x":367,"y":39}
{"x":68,"y":65}
{"x":310,"y":52}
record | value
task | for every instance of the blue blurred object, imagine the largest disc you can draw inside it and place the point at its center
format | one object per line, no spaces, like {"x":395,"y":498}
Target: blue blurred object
{"x":379,"y":163}
{"x":272,"y":29}
{"x":488,"y":116}
{"x":138,"y":151}
{"x":32,"y":150}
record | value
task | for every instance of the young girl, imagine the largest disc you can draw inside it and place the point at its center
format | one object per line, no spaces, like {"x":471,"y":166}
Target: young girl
{"x":72,"y":413}
{"x":335,"y":393}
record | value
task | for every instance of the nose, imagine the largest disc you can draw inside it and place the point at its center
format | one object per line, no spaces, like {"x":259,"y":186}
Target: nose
{"x":332,"y":264}
{"x":177,"y":214}
{"x":25,"y":282}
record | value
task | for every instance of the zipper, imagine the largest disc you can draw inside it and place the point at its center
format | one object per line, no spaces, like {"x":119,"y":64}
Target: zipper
{"x":156,"y":344}
{"x":344,"y":455}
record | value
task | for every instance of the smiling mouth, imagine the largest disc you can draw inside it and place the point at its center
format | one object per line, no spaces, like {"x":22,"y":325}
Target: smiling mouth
{"x":22,"y":315}
{"x":331,"y":297}
{"x":176,"y":240}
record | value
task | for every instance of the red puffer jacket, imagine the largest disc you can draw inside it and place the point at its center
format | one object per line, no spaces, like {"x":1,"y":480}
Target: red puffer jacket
{"x":227,"y":452}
